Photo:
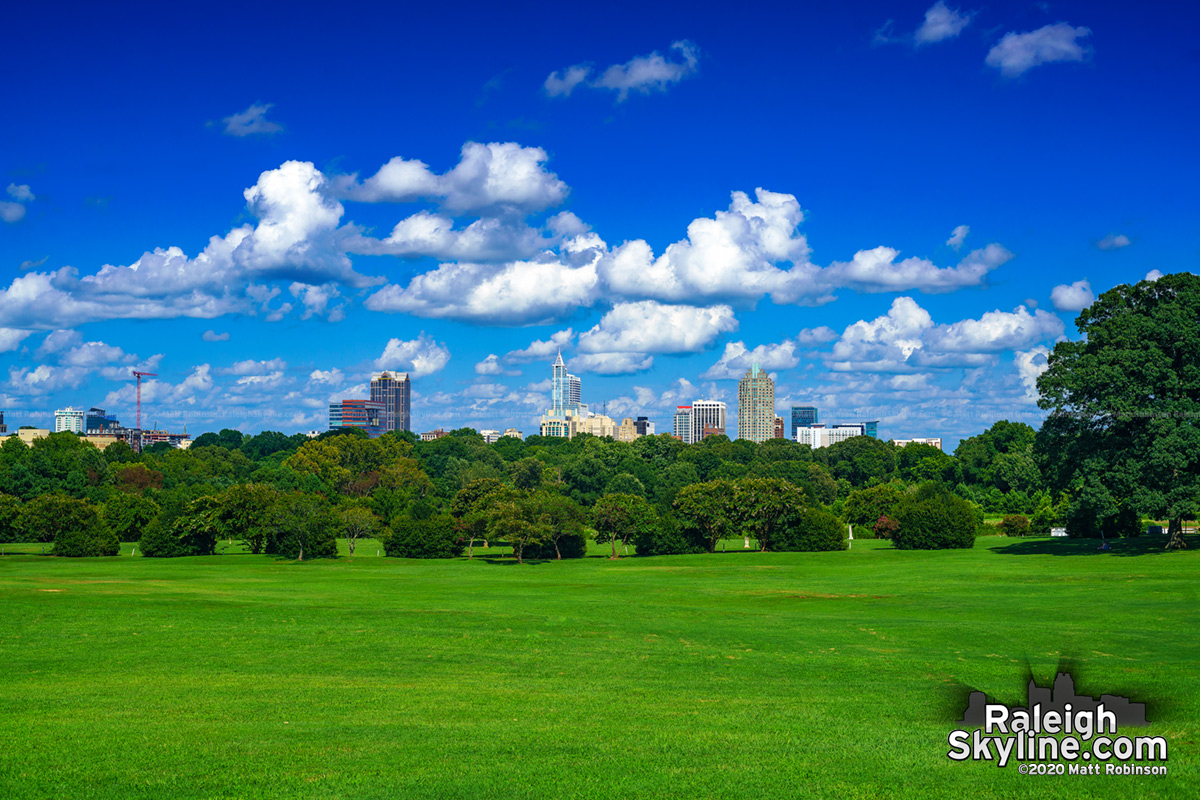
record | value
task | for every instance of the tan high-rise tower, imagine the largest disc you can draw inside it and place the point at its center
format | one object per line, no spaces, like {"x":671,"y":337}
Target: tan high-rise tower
{"x":756,"y":405}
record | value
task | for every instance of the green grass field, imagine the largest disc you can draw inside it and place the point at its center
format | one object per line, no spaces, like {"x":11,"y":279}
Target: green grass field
{"x":737,"y":675}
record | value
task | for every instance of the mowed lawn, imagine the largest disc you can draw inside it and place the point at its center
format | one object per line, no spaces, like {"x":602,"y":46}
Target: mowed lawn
{"x":735,"y":675}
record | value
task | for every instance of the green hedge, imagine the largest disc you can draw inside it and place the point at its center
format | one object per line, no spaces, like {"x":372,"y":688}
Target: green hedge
{"x":813,"y":529}
{"x":432,"y":537}
{"x":935,"y":523}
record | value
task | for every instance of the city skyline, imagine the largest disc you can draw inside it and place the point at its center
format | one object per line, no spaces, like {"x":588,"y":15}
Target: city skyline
{"x":663,"y":204}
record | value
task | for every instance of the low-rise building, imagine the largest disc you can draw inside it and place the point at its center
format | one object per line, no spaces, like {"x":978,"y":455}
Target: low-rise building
{"x":490,"y":436}
{"x":627,"y":430}
{"x":596,"y":425}
{"x":352,"y":413}
{"x":430,"y":436}
{"x":932,"y":442}
{"x":513,"y":432}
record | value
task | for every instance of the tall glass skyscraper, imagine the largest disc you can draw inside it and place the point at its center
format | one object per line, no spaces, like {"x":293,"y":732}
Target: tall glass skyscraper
{"x":393,"y":392}
{"x":803,"y":417}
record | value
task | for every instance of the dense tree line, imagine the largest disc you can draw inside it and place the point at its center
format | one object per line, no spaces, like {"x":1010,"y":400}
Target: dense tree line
{"x":293,"y":496}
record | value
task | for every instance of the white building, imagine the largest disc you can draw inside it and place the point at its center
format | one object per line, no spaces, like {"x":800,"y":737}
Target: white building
{"x":934,"y":442}
{"x":490,"y":437}
{"x":821,"y":435}
{"x":70,"y":419}
{"x":513,"y":432}
{"x":707,"y":414}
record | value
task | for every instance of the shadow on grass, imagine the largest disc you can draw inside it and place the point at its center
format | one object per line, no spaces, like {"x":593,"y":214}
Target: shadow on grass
{"x":1135,"y":546}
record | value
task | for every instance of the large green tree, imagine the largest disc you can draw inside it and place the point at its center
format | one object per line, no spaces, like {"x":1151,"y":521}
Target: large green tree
{"x":1124,"y":402}
{"x":621,"y":517}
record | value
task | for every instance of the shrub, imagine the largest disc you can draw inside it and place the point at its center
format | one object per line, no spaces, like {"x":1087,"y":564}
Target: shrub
{"x":75,"y":526}
{"x":813,"y":529}
{"x":932,"y":517}
{"x":885,"y":528}
{"x":159,"y":541}
{"x":429,"y":537}
{"x":668,"y":538}
{"x":865,"y":506}
{"x":1014,"y":525}
{"x":934,"y":521}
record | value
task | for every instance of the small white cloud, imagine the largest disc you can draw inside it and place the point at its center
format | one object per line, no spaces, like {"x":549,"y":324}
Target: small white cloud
{"x":316,"y":300}
{"x":22,"y":193}
{"x":32,"y":264}
{"x":11,"y":212}
{"x":644,"y":74}
{"x":650,"y":327}
{"x":11,"y":338}
{"x":213,"y":336}
{"x":419,"y":357}
{"x":819,"y":335}
{"x":497,"y":177}
{"x":492,"y":366}
{"x":542,"y":348}
{"x":252,"y":367}
{"x":941,"y":22}
{"x":1153,"y":275}
{"x":958,"y":235}
{"x":561,"y":84}
{"x":612,"y":363}
{"x":1030,"y":365}
{"x":1075,"y":297}
{"x":1114,"y":241}
{"x":59,"y":340}
{"x":1017,"y":53}
{"x":252,"y":120}
{"x":333,"y":377}
{"x":737,"y":359}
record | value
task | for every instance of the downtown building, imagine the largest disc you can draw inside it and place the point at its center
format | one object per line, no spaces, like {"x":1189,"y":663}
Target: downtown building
{"x":393,"y":392}
{"x":756,"y":405}
{"x":803,"y":417}
{"x":352,"y":413}
{"x":703,"y":418}
{"x":566,"y":410}
{"x":820,"y":435}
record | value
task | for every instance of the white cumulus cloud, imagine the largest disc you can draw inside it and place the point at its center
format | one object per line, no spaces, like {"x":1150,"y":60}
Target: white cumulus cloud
{"x":489,"y":178}
{"x":958,"y":235}
{"x":1114,"y":241}
{"x":1073,"y":297}
{"x":737,"y":358}
{"x":419,"y":357}
{"x":650,"y":327}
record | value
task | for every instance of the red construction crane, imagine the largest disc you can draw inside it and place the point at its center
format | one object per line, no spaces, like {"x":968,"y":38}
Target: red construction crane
{"x":139,"y":376}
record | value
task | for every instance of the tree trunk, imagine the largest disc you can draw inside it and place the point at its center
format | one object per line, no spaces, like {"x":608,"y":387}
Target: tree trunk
{"x":350,"y":546}
{"x":614,"y":546}
{"x":557,"y":555}
{"x":471,"y":549}
{"x":301,"y":552}
{"x":1175,"y":535}
{"x":517,"y":550}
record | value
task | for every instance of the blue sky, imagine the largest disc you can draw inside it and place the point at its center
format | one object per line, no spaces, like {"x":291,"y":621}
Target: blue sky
{"x":897,"y":208}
